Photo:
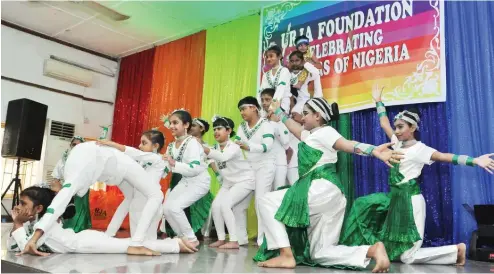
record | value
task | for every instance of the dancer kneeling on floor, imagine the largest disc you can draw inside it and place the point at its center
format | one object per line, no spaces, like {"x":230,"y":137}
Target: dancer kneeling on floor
{"x":238,"y":180}
{"x":34,"y":204}
{"x":89,"y":163}
{"x":302,"y":224}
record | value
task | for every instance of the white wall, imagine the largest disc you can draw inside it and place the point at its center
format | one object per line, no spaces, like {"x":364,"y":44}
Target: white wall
{"x":23,"y":57}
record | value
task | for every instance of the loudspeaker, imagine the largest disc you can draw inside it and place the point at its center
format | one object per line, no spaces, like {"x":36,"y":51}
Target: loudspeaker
{"x":24,"y":129}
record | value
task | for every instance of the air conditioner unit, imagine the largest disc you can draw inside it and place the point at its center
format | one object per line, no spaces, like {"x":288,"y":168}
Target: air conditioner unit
{"x":58,"y":141}
{"x":65,"y":72}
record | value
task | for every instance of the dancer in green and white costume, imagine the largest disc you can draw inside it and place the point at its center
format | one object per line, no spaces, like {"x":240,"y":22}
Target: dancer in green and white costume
{"x":82,"y":219}
{"x":398,"y":218}
{"x":302,"y":224}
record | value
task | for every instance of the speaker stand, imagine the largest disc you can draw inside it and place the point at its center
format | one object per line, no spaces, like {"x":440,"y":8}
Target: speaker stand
{"x":17,"y":188}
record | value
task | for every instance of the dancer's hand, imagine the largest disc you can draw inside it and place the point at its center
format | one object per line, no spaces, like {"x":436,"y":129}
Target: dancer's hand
{"x":55,"y":185}
{"x":485,"y":162}
{"x":31,"y":248}
{"x":20,"y":216}
{"x":275,"y":104}
{"x":388,"y":156}
{"x":377,"y":92}
{"x":169,"y":159}
{"x":107,"y":143}
{"x":242,"y":145}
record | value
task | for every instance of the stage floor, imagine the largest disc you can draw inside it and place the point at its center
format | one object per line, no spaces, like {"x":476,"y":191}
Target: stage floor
{"x":207,"y":260}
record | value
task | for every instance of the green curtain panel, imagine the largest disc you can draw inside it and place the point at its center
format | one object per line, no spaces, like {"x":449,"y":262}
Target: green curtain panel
{"x":230,"y":74}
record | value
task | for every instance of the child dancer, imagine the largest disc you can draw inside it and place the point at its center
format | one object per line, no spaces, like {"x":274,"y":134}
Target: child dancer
{"x":303,"y":45}
{"x":237,"y":177}
{"x":278,"y":77}
{"x":198,"y":128}
{"x":298,"y":67}
{"x":402,"y":211}
{"x":89,"y":163}
{"x":35,"y":202}
{"x":190,"y":182}
{"x":281,"y":147}
{"x":256,"y":136}
{"x":82,"y":219}
{"x":148,"y":157}
{"x":314,"y":207}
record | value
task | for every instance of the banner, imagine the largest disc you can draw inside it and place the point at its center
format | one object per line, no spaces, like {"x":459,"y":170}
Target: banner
{"x":398,"y":44}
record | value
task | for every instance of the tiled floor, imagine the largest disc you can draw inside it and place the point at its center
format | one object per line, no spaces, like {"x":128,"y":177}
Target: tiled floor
{"x":207,"y":260}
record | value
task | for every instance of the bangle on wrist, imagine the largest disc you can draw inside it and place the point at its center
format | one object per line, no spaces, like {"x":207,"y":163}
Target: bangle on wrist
{"x":463,"y":160}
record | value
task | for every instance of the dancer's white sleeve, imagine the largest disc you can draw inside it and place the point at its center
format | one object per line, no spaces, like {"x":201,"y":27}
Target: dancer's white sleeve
{"x":17,"y":240}
{"x":264,"y":85}
{"x":57,"y":207}
{"x":139,"y":155}
{"x":191,"y":165}
{"x":282,"y":135}
{"x":283,"y":84}
{"x":316,"y":77}
{"x":230,"y":152}
{"x":58,"y":170}
{"x":267,"y":140}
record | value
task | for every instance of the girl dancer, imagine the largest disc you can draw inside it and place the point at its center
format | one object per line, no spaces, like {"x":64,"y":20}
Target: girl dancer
{"x":82,"y":219}
{"x":237,"y":177}
{"x":148,"y":157}
{"x":198,"y":128}
{"x":190,"y":182}
{"x":35,"y":202}
{"x":314,"y":207}
{"x":281,"y":147}
{"x":278,"y":77}
{"x":402,"y":211}
{"x":256,"y":136}
{"x":298,"y":66}
{"x":89,"y":163}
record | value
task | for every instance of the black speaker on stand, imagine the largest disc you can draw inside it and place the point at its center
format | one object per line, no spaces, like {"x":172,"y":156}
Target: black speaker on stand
{"x":23,"y":138}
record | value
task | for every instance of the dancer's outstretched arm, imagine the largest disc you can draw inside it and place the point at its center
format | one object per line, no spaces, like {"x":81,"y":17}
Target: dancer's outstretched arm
{"x":381,"y":110}
{"x":485,"y":161}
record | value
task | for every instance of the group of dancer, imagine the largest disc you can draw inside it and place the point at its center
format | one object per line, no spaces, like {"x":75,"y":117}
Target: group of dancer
{"x":284,"y":153}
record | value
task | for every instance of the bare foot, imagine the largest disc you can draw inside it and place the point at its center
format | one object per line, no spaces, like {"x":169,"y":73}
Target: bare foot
{"x":193,"y":243}
{"x":217,"y":243}
{"x":184,"y":246}
{"x":279,"y":262}
{"x":378,"y":253}
{"x":141,"y":250}
{"x":230,"y":245}
{"x":462,"y":249}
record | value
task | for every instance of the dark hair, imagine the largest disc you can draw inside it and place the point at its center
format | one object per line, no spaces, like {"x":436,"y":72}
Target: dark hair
{"x":326,"y":107}
{"x":300,"y":38}
{"x":298,"y":53}
{"x":249,"y":100}
{"x":222,"y":123}
{"x":269,"y":92}
{"x":156,"y":137}
{"x":44,"y":196}
{"x":206,"y":125}
{"x":275,"y":48}
{"x":416,"y":111}
{"x":183,"y":116}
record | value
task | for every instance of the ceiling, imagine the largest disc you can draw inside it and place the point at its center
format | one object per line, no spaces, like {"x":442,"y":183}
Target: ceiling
{"x":151,"y":22}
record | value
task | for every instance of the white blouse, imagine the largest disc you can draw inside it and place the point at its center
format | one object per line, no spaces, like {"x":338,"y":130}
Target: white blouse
{"x":323,"y":139}
{"x":260,"y":140}
{"x":416,"y":157}
{"x":189,"y":157}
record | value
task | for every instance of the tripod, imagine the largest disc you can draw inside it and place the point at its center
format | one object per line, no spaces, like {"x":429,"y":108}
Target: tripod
{"x":17,"y":188}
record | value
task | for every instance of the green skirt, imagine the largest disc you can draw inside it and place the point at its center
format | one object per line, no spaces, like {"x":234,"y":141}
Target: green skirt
{"x":82,"y":220}
{"x":383,"y":217}
{"x":197,"y":213}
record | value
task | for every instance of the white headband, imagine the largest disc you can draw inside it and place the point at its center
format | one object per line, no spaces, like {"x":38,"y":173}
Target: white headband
{"x":216,"y":117}
{"x":198,"y":122}
{"x":248,"y":105}
{"x":402,"y":116}
{"x":325,"y":116}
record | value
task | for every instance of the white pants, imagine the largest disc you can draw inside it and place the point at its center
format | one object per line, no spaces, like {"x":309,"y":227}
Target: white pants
{"x":84,"y":167}
{"x":280,"y":176}
{"x":187,"y":192}
{"x":92,"y":241}
{"x":292,"y":175}
{"x":133,"y":205}
{"x":226,"y":199}
{"x":327,"y":210}
{"x":240,"y":212}
{"x":430,"y":255}
{"x":265,"y":172}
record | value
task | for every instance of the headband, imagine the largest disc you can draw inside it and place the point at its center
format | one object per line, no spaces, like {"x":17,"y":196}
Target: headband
{"x":303,"y":41}
{"x":409,"y":117}
{"x":322,"y":107}
{"x":166,"y":118}
{"x":248,"y":105}
{"x":217,"y":117}
{"x":77,"y":137}
{"x":198,"y":122}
